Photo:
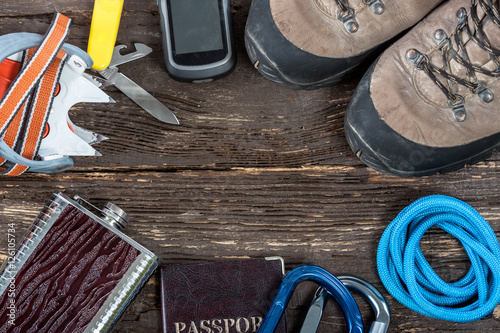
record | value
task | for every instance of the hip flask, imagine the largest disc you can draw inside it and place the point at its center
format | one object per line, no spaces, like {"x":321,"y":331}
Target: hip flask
{"x":74,"y":271}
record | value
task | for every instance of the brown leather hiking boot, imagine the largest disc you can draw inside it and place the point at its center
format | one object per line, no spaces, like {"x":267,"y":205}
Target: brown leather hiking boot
{"x":307,"y":44}
{"x":431,"y":102}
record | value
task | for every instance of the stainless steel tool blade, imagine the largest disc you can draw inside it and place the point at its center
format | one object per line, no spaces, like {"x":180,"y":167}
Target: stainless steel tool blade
{"x":140,"y":96}
{"x":315,"y":312}
{"x":141,"y":50}
{"x":100,"y":83}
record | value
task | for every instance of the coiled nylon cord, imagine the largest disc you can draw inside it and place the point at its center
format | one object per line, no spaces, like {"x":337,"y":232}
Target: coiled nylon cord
{"x":410,"y":279}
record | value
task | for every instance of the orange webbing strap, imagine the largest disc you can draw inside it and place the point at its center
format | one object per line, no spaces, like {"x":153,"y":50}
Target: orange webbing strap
{"x":8,"y":72}
{"x":27,"y":81}
{"x":39,"y":109}
{"x":14,"y":131}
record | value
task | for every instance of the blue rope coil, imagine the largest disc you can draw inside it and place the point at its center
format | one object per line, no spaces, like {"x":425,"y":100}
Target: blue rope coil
{"x":410,"y":279}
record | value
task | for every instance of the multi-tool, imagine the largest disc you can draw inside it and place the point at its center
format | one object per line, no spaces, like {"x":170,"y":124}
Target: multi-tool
{"x":41,"y":78}
{"x":61,"y":136}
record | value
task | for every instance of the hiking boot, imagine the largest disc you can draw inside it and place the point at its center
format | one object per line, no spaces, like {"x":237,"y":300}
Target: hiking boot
{"x":431,"y":102}
{"x":308,"y":44}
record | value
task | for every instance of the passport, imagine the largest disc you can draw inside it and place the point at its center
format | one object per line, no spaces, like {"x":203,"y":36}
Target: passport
{"x":220,"y":297}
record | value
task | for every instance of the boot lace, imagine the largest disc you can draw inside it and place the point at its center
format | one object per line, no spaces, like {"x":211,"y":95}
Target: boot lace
{"x":460,"y":55}
{"x":347,"y":16}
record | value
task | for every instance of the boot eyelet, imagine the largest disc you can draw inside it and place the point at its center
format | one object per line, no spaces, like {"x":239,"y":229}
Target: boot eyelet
{"x":459,"y":100}
{"x":458,"y":108}
{"x":461,"y":13}
{"x":482,"y":91}
{"x":486,"y":96}
{"x":442,"y":39}
{"x":376,"y":6}
{"x":347,"y":17}
{"x":417,"y":58}
{"x":460,"y":114}
{"x":462,"y":17}
{"x":412,"y":54}
{"x":439,"y":35}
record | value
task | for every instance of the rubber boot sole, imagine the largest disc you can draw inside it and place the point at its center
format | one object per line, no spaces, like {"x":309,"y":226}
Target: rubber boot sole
{"x":370,"y":158}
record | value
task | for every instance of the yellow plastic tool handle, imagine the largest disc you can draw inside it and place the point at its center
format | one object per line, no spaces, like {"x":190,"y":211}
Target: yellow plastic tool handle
{"x":103,"y":31}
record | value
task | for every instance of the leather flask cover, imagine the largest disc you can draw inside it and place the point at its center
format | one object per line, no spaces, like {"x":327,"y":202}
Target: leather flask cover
{"x":73,"y":273}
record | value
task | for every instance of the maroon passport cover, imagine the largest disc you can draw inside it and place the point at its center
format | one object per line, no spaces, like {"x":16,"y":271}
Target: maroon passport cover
{"x":219,"y":297}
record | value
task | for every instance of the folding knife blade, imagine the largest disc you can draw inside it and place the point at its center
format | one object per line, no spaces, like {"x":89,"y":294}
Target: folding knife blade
{"x":140,"y":96}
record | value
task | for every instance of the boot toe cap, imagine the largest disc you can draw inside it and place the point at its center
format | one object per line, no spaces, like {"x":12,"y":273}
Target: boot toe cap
{"x":280,"y":61}
{"x":382,"y":148}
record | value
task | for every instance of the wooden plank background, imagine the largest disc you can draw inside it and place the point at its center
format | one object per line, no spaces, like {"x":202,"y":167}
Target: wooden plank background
{"x":254,"y":170}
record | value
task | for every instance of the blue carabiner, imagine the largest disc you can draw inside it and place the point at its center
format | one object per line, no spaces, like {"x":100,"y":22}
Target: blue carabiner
{"x":326,"y":280}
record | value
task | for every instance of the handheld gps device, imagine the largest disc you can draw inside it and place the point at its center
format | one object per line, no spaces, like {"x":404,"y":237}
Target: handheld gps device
{"x":197,"y":39}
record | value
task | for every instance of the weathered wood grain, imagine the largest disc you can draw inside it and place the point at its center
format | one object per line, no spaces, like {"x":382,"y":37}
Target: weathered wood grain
{"x":254,"y":170}
{"x":258,"y":123}
{"x":310,"y":215}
